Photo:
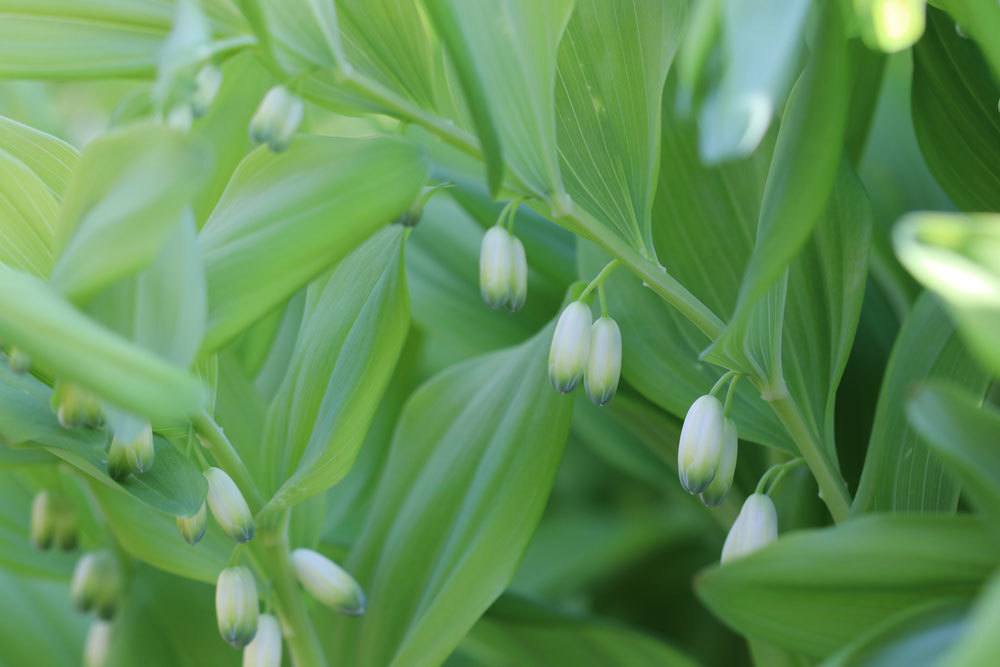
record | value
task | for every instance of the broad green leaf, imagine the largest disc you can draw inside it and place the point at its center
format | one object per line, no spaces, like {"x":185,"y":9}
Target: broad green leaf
{"x":954,"y":103}
{"x":964,"y":436}
{"x":608,"y":108}
{"x":41,"y":628}
{"x":473,"y":458}
{"x":901,"y":473}
{"x":814,"y":591}
{"x":286,"y":217}
{"x":352,"y":332}
{"x":804,"y":171}
{"x":506,"y":56}
{"x":980,"y":20}
{"x":172,"y":485}
{"x":300,"y":35}
{"x":979,"y":645}
{"x":72,"y":346}
{"x":17,"y":554}
{"x":918,"y":637}
{"x":34,"y":169}
{"x":958,"y":257}
{"x":518,"y":633}
{"x":129,"y":189}
{"x":759,"y":47}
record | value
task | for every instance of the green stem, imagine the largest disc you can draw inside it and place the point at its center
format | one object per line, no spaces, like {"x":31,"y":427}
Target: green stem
{"x":721,"y":381}
{"x":599,"y":279}
{"x":270,"y":549}
{"x":832,"y":488}
{"x":730,"y":393}
{"x":227,"y":458}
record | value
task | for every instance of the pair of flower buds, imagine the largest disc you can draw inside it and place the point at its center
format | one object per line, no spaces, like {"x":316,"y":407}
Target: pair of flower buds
{"x":53,"y":522}
{"x":503,"y":270}
{"x":581,"y":350}
{"x":97,"y":584}
{"x":228,"y":506}
{"x":237,"y":613}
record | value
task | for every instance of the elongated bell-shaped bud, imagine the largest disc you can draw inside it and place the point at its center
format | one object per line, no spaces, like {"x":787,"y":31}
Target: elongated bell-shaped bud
{"x":700,"y":447}
{"x":43,"y":520}
{"x":192,"y":528}
{"x":328,"y":582}
{"x":97,"y":647}
{"x":131,"y":456}
{"x":723,"y":480}
{"x":265,"y":649}
{"x":236,"y":605}
{"x":496,"y":266}
{"x":96,"y":584}
{"x":228,"y":506}
{"x":75,"y":406}
{"x":206,"y":87}
{"x":754,"y":528}
{"x":604,"y":363}
{"x":570,"y":349}
{"x":276,"y":119}
{"x":518,"y":276}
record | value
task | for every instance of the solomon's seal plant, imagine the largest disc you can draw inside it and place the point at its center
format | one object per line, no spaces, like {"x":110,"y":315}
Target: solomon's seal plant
{"x":296,"y":296}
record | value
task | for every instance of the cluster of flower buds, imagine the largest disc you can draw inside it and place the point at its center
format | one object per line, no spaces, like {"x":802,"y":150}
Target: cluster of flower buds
{"x":228,"y":506}
{"x":265,"y":649}
{"x":53,"y":522}
{"x":328,"y":582}
{"x":97,"y":646}
{"x":581,"y":350}
{"x":236,"y":605}
{"x":706,"y":455}
{"x":192,"y":528}
{"x":503,"y":270}
{"x":754,"y":528}
{"x":131,"y":453}
{"x":276,"y":119}
{"x":97,"y":584}
{"x":75,"y":406}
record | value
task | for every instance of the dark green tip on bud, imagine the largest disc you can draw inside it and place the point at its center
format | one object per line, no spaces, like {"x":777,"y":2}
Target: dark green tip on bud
{"x":236,"y":606}
{"x":192,"y":528}
{"x":131,"y":456}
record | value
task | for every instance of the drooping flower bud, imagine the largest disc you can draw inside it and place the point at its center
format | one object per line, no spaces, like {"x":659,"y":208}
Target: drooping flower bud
{"x":236,"y":605}
{"x":19,"y":360}
{"x":723,"y":480}
{"x":754,"y":528}
{"x":192,"y":528}
{"x":67,"y":533}
{"x":700,"y":445}
{"x":133,"y":455}
{"x":328,"y":582}
{"x":518,"y":275}
{"x":206,"y":87}
{"x":265,"y":649}
{"x":98,"y":644}
{"x":604,"y":363}
{"x":75,"y":406}
{"x":495,"y":266}
{"x":570,"y":347}
{"x":43,"y":520}
{"x":96,"y":584}
{"x":228,"y":506}
{"x":276,"y":119}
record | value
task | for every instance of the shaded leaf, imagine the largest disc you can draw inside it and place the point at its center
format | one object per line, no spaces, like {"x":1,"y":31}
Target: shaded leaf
{"x":45,"y":630}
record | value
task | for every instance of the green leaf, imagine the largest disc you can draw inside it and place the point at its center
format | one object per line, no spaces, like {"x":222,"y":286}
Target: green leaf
{"x":901,"y":473}
{"x":980,"y":20}
{"x":958,"y":257}
{"x":954,"y":102}
{"x":353,"y":329}
{"x":506,"y":56}
{"x":286,"y":217}
{"x":130,"y":188}
{"x":964,"y":436}
{"x":814,"y":591}
{"x":979,"y":645}
{"x":72,"y":346}
{"x":34,"y":169}
{"x":473,"y":458}
{"x":42,"y":628}
{"x":608,"y":109}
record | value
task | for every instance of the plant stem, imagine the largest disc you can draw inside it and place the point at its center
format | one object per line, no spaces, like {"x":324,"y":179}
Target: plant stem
{"x":270,"y":548}
{"x":832,"y":488}
{"x":228,"y":458}
{"x":599,"y":279}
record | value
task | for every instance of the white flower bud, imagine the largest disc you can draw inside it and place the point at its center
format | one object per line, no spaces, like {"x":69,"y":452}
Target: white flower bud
{"x":192,"y":528}
{"x":43,"y":521}
{"x":228,"y":506}
{"x":328,"y":582}
{"x":754,"y":528}
{"x":495,"y":266}
{"x":604,"y":363}
{"x":206,"y":87}
{"x":75,"y":406}
{"x":265,"y":649}
{"x":700,"y":444}
{"x":570,"y":347}
{"x":98,"y":644}
{"x":236,"y":605}
{"x":131,"y":454}
{"x":723,"y":480}
{"x":96,"y":584}
{"x":518,"y":275}
{"x":276,"y":119}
